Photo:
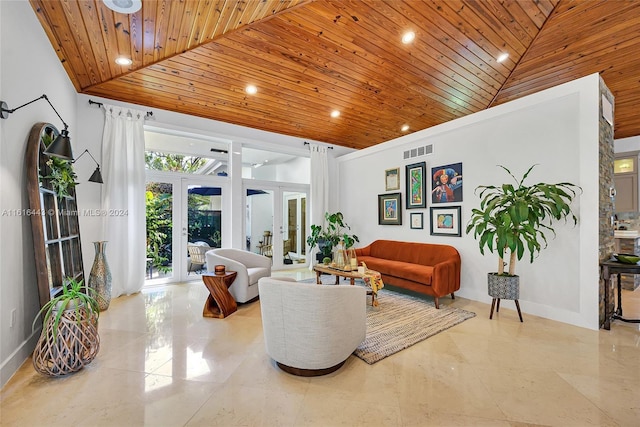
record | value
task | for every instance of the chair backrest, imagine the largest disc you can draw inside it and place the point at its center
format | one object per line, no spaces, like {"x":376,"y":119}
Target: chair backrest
{"x":248,"y":259}
{"x":304,"y":323}
{"x":196,"y":253}
{"x":266,"y":248}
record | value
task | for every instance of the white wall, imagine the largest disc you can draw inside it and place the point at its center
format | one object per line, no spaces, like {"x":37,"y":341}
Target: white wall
{"x":624,"y":145}
{"x":28,"y":69}
{"x":557,"y":129}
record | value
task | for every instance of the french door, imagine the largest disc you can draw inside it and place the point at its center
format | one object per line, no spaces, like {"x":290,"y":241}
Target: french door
{"x":180,"y":210}
{"x":276,"y":222}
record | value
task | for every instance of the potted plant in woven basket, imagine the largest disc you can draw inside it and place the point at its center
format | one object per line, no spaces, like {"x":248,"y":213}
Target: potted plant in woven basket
{"x":513,"y":220}
{"x":69,"y":338}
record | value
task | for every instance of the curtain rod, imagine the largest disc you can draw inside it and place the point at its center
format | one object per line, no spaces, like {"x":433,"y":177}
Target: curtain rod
{"x":328,"y":146}
{"x":100,"y":104}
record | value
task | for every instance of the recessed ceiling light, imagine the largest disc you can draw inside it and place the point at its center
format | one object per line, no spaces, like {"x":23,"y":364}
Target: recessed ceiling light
{"x":335,"y":113}
{"x":502,"y":57}
{"x":123,"y":6}
{"x":251,"y":89}
{"x":405,"y":128}
{"x":408,"y":37}
{"x":121,"y":60}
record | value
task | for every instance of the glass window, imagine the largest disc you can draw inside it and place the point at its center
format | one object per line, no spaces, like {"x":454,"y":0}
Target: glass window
{"x":626,"y":165}
{"x":272,"y":166}
{"x":185,"y":153}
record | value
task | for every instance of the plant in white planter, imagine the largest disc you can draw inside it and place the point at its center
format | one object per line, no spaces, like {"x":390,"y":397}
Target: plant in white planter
{"x":69,"y":338}
{"x":513,"y":220}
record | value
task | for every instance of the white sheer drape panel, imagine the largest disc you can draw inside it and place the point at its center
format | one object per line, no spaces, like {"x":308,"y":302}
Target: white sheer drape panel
{"x":319,"y":197}
{"x":123,"y":198}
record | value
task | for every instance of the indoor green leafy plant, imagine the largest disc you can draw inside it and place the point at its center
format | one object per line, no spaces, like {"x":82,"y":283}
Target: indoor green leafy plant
{"x":61,"y":174}
{"x":514,"y":219}
{"x":69,"y":338}
{"x":329,"y":235}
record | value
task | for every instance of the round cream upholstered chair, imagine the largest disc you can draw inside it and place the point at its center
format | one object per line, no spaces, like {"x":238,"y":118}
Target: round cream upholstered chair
{"x":249,"y":266}
{"x":310,"y":329}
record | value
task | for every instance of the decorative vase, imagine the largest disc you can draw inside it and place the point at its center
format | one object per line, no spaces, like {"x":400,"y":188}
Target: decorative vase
{"x":100,"y":276}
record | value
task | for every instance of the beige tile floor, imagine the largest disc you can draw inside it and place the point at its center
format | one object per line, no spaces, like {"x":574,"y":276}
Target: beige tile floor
{"x":162,"y":364}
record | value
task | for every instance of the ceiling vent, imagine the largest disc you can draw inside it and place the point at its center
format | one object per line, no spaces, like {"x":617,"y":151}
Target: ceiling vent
{"x":420,"y":151}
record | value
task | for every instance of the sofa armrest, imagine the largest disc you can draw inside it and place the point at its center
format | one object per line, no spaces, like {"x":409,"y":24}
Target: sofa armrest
{"x":366,"y":251}
{"x":446,"y":277}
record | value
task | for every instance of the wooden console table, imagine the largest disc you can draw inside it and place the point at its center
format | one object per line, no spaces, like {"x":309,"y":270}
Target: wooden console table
{"x":608,"y":269}
{"x":220,"y":303}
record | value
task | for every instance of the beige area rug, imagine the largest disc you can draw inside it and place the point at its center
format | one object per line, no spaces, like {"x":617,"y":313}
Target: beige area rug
{"x":400,"y":321}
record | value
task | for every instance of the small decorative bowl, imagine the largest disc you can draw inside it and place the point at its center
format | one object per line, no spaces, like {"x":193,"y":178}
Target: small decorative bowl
{"x":627,"y":258}
{"x":219,"y":269}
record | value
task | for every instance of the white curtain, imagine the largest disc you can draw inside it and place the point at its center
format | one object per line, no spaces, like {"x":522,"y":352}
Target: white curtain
{"x":123,"y":198}
{"x":319,"y":190}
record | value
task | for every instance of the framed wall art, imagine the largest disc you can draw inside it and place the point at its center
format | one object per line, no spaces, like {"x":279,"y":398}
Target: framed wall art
{"x":446,"y":183}
{"x":416,"y":182}
{"x":390,"y":209}
{"x":392,"y":179}
{"x":417,"y":220}
{"x":445,"y":221}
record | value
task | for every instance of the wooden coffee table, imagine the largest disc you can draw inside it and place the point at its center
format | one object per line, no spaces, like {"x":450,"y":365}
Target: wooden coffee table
{"x":351,"y":275}
{"x":220,"y":303}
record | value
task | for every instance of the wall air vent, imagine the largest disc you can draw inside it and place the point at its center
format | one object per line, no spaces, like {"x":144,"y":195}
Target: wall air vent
{"x":420,"y":151}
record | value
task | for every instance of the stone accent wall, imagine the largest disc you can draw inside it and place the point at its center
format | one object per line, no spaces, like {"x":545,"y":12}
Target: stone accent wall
{"x":630,"y":282}
{"x":607,"y":243}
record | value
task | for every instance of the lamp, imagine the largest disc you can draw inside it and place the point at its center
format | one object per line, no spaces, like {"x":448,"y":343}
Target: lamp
{"x":61,"y":146}
{"x":96,"y":176}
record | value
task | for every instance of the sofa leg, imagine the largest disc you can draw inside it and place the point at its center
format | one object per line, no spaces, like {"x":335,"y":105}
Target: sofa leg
{"x":436,"y":302}
{"x":453,"y":296}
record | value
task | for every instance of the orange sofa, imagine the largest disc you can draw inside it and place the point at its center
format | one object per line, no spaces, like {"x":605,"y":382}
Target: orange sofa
{"x":421,"y":267}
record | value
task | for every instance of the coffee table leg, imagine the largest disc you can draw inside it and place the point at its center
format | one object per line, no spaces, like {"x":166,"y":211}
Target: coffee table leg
{"x":318,"y":281}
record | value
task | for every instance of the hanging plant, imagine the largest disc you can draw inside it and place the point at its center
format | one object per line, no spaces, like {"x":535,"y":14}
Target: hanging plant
{"x":61,"y":174}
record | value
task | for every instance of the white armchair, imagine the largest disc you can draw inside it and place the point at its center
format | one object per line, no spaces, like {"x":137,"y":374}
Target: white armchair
{"x":311,"y":329}
{"x":250,"y":268}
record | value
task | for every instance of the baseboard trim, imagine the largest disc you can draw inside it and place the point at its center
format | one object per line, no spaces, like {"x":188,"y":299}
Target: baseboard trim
{"x":16,"y":359}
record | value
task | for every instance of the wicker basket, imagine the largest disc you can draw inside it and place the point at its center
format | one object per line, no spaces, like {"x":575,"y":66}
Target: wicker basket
{"x":75,"y":345}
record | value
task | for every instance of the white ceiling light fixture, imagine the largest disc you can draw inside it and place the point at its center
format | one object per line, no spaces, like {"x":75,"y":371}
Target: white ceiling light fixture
{"x":335,"y":113}
{"x":121,"y":60}
{"x":502,"y":57}
{"x":404,"y":128}
{"x":123,"y":6}
{"x":408,"y":37}
{"x":251,"y":89}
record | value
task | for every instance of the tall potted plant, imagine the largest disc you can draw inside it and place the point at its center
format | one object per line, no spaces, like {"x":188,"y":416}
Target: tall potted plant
{"x":513,"y":220}
{"x":331,"y":233}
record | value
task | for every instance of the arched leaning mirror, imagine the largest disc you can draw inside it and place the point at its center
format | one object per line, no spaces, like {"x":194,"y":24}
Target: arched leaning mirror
{"x":54,"y":213}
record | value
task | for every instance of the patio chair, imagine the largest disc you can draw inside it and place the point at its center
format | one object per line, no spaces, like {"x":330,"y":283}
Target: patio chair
{"x":197,"y":259}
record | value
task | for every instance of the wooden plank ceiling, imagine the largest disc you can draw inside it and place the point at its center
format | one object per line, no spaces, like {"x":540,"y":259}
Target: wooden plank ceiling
{"x":308,"y":58}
